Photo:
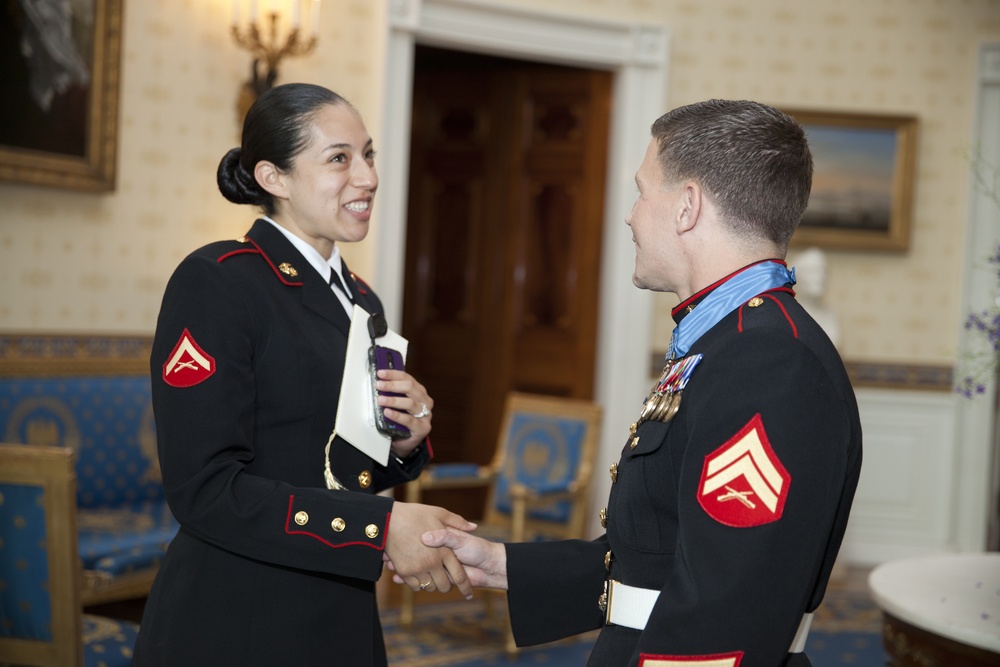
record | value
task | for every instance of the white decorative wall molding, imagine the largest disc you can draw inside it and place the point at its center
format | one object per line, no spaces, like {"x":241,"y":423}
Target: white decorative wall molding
{"x":637,"y":55}
{"x":905,"y":503}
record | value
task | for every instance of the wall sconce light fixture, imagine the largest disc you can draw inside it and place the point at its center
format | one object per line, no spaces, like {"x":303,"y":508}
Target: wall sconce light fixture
{"x":260,"y":35}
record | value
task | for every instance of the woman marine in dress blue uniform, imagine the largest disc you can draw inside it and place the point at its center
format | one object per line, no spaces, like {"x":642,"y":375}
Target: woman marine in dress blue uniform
{"x":271,"y":567}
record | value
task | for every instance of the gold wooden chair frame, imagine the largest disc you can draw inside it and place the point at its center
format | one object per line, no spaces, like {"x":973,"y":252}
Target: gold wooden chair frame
{"x":50,"y":468}
{"x":65,"y":637}
{"x":522,"y":523}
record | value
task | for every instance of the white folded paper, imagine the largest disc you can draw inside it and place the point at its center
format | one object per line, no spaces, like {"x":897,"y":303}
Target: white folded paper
{"x":355,"y":411}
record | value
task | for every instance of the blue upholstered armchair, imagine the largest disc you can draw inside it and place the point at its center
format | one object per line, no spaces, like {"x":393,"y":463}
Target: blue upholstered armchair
{"x":539,"y":478}
{"x":41,"y":619}
{"x":92,"y":395}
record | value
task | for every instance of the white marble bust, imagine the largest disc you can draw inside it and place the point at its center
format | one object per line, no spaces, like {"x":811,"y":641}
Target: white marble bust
{"x":810,"y":289}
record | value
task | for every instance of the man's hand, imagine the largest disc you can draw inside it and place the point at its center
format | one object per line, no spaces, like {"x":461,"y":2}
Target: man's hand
{"x":485,"y":562}
{"x":422,"y":567}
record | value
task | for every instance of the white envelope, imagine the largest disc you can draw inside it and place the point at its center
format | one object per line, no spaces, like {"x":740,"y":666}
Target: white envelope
{"x":356,"y":409}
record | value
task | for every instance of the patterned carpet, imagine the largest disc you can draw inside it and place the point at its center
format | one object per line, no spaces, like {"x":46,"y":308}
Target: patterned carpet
{"x":461,"y":634}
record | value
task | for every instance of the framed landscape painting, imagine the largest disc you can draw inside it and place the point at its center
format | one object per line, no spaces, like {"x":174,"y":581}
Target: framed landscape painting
{"x":862,"y":182}
{"x":59,"y":92}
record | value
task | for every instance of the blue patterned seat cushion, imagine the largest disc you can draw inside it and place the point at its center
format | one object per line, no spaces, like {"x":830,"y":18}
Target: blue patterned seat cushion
{"x":25,"y":604}
{"x":107,"y":642}
{"x":543,"y":453}
{"x":131,"y":538}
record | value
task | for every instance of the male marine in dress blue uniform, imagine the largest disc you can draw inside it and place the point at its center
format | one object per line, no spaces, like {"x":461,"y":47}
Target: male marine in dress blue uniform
{"x":731,"y":494}
{"x":732,"y":510}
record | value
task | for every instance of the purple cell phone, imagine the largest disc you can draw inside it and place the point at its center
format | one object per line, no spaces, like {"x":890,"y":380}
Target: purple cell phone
{"x":385,"y":358}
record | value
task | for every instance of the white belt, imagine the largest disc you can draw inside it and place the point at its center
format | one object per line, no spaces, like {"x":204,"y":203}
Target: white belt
{"x":631,"y":606}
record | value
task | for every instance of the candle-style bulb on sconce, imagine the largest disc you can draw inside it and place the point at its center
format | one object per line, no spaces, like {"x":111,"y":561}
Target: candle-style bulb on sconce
{"x":268,"y":48}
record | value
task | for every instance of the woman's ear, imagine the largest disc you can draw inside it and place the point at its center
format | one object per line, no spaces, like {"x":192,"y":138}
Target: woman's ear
{"x":270,"y":178}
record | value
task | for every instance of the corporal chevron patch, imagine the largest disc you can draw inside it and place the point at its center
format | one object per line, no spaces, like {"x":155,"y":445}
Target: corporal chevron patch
{"x":743,"y":484}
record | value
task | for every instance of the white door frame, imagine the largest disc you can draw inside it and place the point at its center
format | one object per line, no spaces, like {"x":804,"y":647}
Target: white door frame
{"x":975,"y":486}
{"x":637,"y":55}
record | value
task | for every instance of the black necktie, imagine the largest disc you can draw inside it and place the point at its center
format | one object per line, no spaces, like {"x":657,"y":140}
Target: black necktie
{"x":337,"y":282}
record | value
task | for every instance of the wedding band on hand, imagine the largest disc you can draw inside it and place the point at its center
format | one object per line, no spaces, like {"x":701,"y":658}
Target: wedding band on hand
{"x":423,"y":587}
{"x":423,"y":412}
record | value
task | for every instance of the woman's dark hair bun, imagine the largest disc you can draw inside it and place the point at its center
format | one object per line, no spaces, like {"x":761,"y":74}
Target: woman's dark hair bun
{"x":236,"y":183}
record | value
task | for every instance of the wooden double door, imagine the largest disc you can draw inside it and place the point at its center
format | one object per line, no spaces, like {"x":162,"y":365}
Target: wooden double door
{"x":505,"y":215}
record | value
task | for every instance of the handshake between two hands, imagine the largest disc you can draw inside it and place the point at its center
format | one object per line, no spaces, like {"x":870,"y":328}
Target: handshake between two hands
{"x":430,"y":548}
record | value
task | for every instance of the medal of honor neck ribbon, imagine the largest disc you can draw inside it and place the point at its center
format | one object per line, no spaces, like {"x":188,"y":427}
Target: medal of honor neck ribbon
{"x":724,"y":299}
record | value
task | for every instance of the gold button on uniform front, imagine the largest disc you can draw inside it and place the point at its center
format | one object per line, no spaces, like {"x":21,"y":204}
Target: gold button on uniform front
{"x":371,"y":530}
{"x":338,"y":524}
{"x":614,"y":473}
{"x":604,"y":517}
{"x":301,"y":518}
{"x":365,"y":479}
{"x":607,"y":561}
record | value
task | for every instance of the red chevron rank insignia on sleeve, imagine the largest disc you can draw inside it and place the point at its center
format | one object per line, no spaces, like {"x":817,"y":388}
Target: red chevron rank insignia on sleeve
{"x":188,"y":364}
{"x":743,"y":483}
{"x":717,"y":660}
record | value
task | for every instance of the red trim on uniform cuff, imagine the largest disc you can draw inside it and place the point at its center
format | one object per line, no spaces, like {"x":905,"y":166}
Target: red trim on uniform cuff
{"x":430,"y":450}
{"x":288,"y":518}
{"x":385,"y":533}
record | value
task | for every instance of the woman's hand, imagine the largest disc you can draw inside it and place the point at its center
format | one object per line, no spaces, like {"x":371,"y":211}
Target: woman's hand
{"x":412,"y":409}
{"x":421,"y":567}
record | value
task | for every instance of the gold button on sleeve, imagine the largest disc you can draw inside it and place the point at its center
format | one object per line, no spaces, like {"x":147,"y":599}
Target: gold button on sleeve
{"x":365,"y":479}
{"x":301,"y":518}
{"x":371,"y":530}
{"x":338,"y":524}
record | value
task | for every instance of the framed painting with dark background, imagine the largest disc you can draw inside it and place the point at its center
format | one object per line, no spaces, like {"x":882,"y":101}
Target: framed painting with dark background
{"x":862,"y":183}
{"x":59,"y":92}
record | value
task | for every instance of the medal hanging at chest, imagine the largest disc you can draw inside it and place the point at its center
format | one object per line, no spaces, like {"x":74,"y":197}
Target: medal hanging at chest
{"x":664,"y":399}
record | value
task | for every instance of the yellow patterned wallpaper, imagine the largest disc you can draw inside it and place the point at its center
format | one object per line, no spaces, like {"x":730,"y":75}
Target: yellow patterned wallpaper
{"x":98,"y":263}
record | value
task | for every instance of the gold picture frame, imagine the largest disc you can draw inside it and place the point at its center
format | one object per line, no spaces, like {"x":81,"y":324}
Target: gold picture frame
{"x":59,"y":104}
{"x":862,"y":194}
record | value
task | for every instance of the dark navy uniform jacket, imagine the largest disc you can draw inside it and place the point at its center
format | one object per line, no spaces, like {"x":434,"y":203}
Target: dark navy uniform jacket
{"x":734,"y":510}
{"x":269,"y":567}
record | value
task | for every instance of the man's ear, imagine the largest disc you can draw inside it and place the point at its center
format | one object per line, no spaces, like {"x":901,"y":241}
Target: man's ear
{"x":270,"y":178}
{"x":689,"y":206}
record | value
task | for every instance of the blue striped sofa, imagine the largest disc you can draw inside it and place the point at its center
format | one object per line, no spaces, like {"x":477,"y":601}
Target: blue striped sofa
{"x":92,"y":394}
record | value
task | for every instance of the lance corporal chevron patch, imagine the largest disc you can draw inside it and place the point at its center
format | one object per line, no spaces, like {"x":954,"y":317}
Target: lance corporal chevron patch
{"x":743,"y":484}
{"x":188,"y":364}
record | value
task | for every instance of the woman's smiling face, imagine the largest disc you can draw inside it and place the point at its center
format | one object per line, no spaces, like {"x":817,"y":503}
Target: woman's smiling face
{"x":328,"y":194}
